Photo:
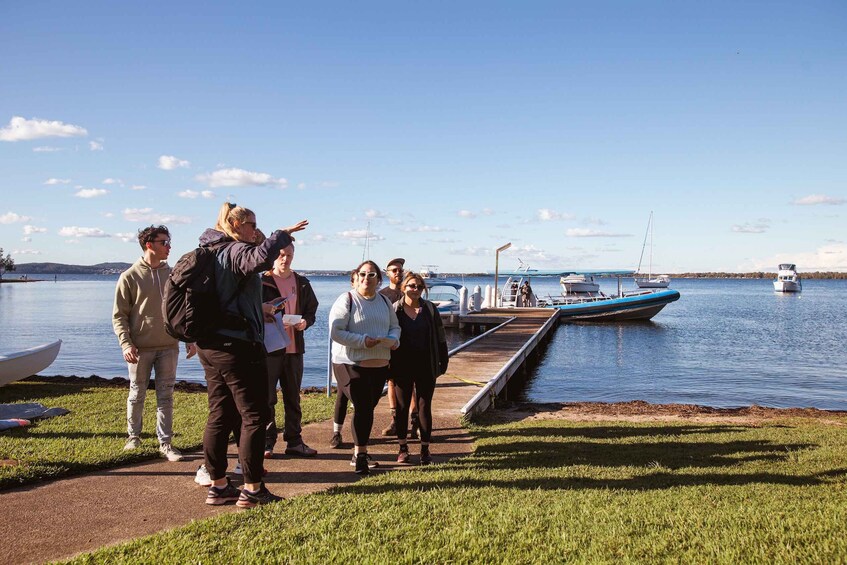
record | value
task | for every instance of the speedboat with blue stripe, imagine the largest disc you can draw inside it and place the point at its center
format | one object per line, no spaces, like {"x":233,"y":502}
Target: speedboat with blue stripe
{"x":581,"y":299}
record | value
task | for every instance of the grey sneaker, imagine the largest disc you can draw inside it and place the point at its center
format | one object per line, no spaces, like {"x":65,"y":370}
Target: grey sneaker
{"x":249,"y":499}
{"x":301,"y":450}
{"x":170,"y":453}
{"x":335,"y":442}
{"x":222,"y":495}
{"x":134,"y":442}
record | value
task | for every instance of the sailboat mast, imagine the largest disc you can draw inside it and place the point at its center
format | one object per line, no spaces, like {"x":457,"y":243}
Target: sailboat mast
{"x":650,"y":269}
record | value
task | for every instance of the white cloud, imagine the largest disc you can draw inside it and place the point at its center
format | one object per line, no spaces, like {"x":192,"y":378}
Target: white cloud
{"x":46,"y":149}
{"x":95,"y":146}
{"x":355,"y":234}
{"x":830,"y":257}
{"x":427,"y":229}
{"x":169,"y":163}
{"x":585,"y":232}
{"x":113,"y":181}
{"x":26,"y":252}
{"x":147,"y":215}
{"x":21,"y":129}
{"x":472,"y":251}
{"x":126,"y":237}
{"x":548,"y":215}
{"x":301,"y":186}
{"x":192,"y":194}
{"x":74,"y":231}
{"x":371,"y":213}
{"x":12,"y":218}
{"x":30,"y":229}
{"x":26,"y":239}
{"x":466,"y":214}
{"x":53,"y":181}
{"x":759,"y":227}
{"x":487,"y":212}
{"x":207,"y":194}
{"x":91,"y":192}
{"x":815,"y":199}
{"x":240,"y":177}
{"x":108,"y":215}
{"x":137,"y":187}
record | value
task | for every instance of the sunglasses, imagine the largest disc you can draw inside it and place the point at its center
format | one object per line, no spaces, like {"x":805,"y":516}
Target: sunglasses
{"x":413,"y":287}
{"x":367,"y":275}
{"x":394,"y":270}
{"x":165,"y":242}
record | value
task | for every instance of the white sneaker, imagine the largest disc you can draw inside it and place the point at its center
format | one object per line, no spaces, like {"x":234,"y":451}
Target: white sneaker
{"x":132,"y":443}
{"x":170,"y":452}
{"x":202,"y":477}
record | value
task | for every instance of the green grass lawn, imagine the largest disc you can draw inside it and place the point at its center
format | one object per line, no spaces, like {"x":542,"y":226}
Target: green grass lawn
{"x":557,"y":491}
{"x":93,"y":434}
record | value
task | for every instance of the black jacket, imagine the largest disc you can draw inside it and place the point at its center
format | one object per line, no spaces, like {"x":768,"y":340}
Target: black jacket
{"x":437,"y":338}
{"x":307,"y":302}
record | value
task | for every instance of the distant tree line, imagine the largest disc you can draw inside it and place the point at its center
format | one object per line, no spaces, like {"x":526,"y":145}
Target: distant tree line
{"x":759,"y":275}
{"x":6,"y":263}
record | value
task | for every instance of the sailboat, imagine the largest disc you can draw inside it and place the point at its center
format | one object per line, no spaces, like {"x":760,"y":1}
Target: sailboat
{"x":650,"y":281}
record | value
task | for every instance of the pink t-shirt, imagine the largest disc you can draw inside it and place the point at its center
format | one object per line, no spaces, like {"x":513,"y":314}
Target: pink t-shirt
{"x":288,"y":289}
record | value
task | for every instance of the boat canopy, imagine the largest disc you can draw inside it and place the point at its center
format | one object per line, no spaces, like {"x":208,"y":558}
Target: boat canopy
{"x":787,"y":267}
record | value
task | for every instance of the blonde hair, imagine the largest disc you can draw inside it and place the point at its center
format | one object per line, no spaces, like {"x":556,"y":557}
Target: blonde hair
{"x":229,"y":214}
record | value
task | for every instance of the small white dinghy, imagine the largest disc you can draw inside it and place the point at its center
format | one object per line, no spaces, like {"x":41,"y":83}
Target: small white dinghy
{"x":22,"y":364}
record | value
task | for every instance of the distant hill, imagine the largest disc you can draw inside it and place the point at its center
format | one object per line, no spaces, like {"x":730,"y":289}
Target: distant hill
{"x":62,"y":269}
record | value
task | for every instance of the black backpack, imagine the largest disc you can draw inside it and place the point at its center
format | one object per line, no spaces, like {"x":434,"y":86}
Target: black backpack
{"x":190,"y":304}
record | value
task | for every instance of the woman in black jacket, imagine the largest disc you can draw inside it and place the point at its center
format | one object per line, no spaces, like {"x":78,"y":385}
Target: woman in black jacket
{"x":420,"y":359}
{"x":234,"y":359}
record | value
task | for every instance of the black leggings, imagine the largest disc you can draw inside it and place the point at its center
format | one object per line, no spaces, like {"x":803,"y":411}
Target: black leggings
{"x":364,"y":390}
{"x":341,"y":402}
{"x":424,"y":388}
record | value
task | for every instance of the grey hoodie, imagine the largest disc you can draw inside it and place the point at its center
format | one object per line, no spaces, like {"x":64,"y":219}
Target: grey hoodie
{"x":137,"y":315}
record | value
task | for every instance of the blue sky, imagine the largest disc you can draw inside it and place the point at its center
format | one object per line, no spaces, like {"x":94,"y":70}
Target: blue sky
{"x":450,"y":128}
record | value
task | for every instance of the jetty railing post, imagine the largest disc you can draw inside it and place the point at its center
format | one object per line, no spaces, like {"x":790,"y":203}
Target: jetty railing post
{"x":329,"y":365}
{"x":497,"y":270}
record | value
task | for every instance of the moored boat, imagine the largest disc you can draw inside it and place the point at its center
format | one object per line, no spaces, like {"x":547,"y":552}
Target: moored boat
{"x":787,"y":279}
{"x":650,"y":281}
{"x":21,"y":364}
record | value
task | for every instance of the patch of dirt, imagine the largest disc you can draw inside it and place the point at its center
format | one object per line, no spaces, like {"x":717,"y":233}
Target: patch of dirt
{"x":640,"y":411}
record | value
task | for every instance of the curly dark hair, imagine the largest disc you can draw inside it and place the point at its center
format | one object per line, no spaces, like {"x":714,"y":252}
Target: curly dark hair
{"x":373,"y":265}
{"x":150,"y":233}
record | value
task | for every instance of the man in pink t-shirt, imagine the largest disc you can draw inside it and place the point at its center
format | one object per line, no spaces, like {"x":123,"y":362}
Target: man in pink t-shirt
{"x":285,"y":367}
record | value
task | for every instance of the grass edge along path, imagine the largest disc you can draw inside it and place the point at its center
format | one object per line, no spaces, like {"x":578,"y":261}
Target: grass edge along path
{"x":91,"y":437}
{"x":543,"y":490}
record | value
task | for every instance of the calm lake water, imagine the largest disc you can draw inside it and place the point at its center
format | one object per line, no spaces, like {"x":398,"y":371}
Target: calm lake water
{"x":724,"y":343}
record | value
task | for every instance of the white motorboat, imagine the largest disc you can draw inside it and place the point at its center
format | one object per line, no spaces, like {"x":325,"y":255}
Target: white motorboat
{"x":650,"y":281}
{"x":445,"y":296}
{"x":429,"y":272}
{"x":787,"y":279}
{"x":578,"y":284}
{"x":21,"y":364}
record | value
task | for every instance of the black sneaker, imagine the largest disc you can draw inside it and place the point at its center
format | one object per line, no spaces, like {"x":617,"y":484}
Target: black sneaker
{"x":426,"y":457}
{"x":361,"y":463}
{"x":335,"y":442}
{"x":249,"y":499}
{"x":371,"y":463}
{"x":221,"y":495}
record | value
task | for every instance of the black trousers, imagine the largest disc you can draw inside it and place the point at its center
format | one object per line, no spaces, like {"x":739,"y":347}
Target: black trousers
{"x":287,"y":370}
{"x":237,"y":380}
{"x":424,"y":388}
{"x":363,"y":386}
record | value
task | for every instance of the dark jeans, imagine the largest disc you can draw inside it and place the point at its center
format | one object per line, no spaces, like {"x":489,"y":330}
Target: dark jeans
{"x":237,"y":380}
{"x":424,"y":388}
{"x":363,"y":386}
{"x":287,"y":370}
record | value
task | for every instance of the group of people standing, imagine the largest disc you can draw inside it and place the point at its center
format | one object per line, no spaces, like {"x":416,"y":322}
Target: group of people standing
{"x":393,"y":335}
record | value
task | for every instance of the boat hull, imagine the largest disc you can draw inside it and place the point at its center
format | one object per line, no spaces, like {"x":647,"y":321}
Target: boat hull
{"x":787,"y":286}
{"x":652,"y":283}
{"x":22,"y":364}
{"x":637,"y":307}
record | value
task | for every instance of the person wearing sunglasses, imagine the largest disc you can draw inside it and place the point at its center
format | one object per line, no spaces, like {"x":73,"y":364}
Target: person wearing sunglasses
{"x":394,"y":270}
{"x":234,"y":358}
{"x":418,"y":361}
{"x":139,"y":323}
{"x":364,"y":325}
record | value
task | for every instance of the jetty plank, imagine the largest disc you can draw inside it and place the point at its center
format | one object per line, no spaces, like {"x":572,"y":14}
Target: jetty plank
{"x":62,"y":518}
